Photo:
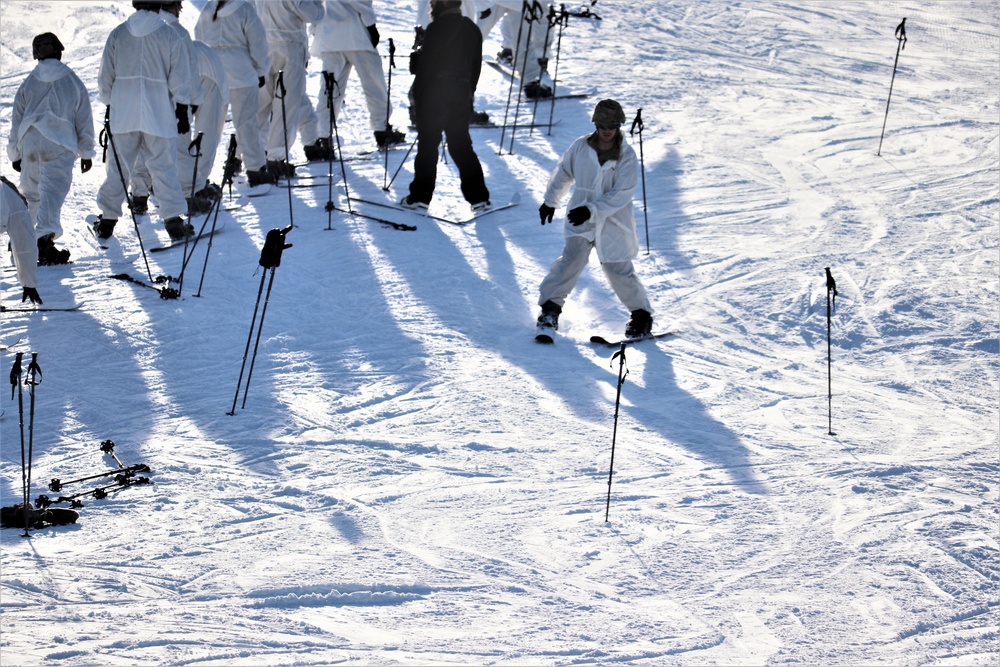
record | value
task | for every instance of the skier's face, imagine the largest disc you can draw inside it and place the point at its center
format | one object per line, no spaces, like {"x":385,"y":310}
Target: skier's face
{"x":607,"y":133}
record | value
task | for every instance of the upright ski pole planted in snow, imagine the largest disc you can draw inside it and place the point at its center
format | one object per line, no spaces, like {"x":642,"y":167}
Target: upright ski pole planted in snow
{"x":563,"y":20}
{"x":330,"y":81}
{"x":16,"y":375}
{"x":831,"y":301}
{"x":270,"y":259}
{"x":280,"y":92}
{"x":108,"y":139}
{"x":622,"y":372}
{"x":388,"y":112}
{"x":642,"y":166}
{"x":901,"y":44}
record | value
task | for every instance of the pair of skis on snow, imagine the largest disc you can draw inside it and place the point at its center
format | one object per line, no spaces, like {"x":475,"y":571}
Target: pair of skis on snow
{"x":548,"y":339}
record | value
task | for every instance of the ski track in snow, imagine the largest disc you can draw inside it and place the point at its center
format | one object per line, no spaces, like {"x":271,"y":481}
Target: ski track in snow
{"x":414,"y":480}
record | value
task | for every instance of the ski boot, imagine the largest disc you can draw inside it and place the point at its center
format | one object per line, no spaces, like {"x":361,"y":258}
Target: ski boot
{"x":389,"y":137}
{"x":177,"y":228}
{"x":412,"y":204}
{"x":549,"y":319}
{"x":260,"y":177}
{"x":48,"y":254}
{"x":321,"y":151}
{"x":104,"y":228}
{"x":280,"y":169}
{"x":640,"y":325}
{"x":537,"y":90}
{"x":140,"y":204}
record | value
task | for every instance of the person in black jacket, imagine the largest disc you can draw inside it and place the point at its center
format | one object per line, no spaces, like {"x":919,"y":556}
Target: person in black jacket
{"x":446,"y":69}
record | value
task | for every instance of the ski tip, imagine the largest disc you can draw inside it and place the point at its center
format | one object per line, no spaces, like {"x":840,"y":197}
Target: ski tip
{"x":545,"y":339}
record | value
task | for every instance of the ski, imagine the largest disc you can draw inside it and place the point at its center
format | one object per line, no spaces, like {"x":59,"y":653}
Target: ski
{"x":244,"y":189}
{"x":545,"y":339}
{"x":166,"y":292}
{"x":515,"y":200}
{"x":43,"y":309}
{"x":600,"y":340}
{"x":174,"y":243}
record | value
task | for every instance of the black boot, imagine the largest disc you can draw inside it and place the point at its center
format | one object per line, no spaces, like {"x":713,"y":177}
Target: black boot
{"x":321,"y":151}
{"x":549,"y":319}
{"x":177,"y":228}
{"x":140,"y":204}
{"x":105,"y":227}
{"x":640,"y":325}
{"x":389,"y":137}
{"x":48,"y":254}
{"x":260,"y":177}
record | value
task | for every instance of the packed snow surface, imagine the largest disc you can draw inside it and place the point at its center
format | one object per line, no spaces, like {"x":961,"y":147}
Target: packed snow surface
{"x":413,"y":480}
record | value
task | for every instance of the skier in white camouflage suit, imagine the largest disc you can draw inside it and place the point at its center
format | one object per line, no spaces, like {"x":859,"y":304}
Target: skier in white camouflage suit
{"x":285,"y":22}
{"x":144,"y":81}
{"x":600,"y":215}
{"x":15,"y":221}
{"x":346,"y":39}
{"x":529,"y":51}
{"x":170,"y":13}
{"x":234,"y":29}
{"x":51,"y":123}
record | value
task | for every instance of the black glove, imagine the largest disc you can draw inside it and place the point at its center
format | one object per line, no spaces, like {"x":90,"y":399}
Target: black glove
{"x":31,"y":293}
{"x":17,"y":165}
{"x":485,"y":13}
{"x":373,"y":34}
{"x":183,"y":124}
{"x":578,"y":215}
{"x":260,"y":82}
{"x":85,"y":165}
{"x":546,"y":213}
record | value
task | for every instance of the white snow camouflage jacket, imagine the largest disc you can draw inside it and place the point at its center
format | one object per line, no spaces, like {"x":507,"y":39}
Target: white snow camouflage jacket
{"x":344,"y":27}
{"x":144,"y":74}
{"x":55,"y":102}
{"x":238,"y":36}
{"x":606,"y":190}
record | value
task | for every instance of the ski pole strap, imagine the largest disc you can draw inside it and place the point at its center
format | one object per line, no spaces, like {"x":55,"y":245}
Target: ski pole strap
{"x":831,"y":284}
{"x":622,"y":366}
{"x":34,"y":371}
{"x":196,"y":145}
{"x":280,"y":86}
{"x":637,"y":122}
{"x":392,"y":54}
{"x":15,"y":374}
{"x":901,"y":34}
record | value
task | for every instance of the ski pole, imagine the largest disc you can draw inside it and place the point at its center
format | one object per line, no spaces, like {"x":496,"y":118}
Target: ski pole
{"x":831,"y":288}
{"x":108,"y":447}
{"x":281,"y":92}
{"x":901,"y":44}
{"x":533,"y":14}
{"x":400,"y":167}
{"x":525,"y":11}
{"x":543,"y":63}
{"x":563,"y":19}
{"x":15,"y":382}
{"x":642,"y":164}
{"x":33,"y":379}
{"x":388,"y":108}
{"x":109,"y":139}
{"x":622,"y":372}
{"x":196,"y":146}
{"x":331,"y":82}
{"x":227,"y":173}
{"x":270,"y":259}
{"x":57,"y":484}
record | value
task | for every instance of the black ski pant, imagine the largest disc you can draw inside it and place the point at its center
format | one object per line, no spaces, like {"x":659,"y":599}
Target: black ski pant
{"x":445,"y":109}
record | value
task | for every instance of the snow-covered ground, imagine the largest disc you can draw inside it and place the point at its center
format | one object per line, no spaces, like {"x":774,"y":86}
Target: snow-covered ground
{"x":415,"y":481}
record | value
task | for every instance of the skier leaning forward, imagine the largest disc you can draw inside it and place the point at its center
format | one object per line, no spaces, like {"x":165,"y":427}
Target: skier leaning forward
{"x":600,"y":215}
